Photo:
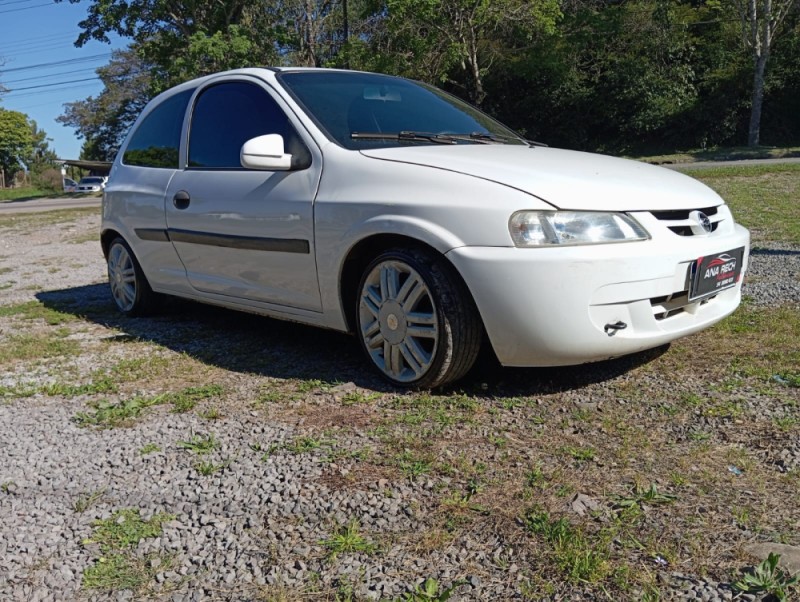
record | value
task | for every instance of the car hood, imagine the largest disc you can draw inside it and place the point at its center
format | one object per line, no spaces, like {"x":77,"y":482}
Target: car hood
{"x":565,"y":179}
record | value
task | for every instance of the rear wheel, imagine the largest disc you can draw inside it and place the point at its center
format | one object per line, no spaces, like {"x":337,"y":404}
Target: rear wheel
{"x":129,"y":287}
{"x":416,"y":320}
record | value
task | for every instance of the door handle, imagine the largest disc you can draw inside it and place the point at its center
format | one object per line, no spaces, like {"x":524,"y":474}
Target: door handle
{"x":181,"y":199}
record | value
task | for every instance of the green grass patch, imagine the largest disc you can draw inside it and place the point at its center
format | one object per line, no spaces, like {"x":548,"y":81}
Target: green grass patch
{"x":118,"y":568}
{"x":199,"y":444}
{"x":34,"y":310}
{"x":347,"y":540}
{"x":757,"y":347}
{"x":37,"y":346}
{"x":16,"y":194}
{"x":762,"y":198}
{"x":577,"y":559}
{"x":106,"y":414}
{"x":730,"y":153}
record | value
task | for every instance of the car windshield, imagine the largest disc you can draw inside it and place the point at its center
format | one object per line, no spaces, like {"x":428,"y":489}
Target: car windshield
{"x":365,"y":110}
{"x":91,"y":180}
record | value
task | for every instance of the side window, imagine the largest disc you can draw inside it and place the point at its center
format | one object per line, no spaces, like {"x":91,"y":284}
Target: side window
{"x":157,"y":140}
{"x":229,"y":114}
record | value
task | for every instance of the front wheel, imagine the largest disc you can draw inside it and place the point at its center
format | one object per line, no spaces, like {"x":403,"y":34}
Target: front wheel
{"x":416,"y":319}
{"x":129,"y":287}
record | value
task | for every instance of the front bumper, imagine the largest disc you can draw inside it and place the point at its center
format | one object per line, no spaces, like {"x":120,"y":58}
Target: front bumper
{"x":550,"y":306}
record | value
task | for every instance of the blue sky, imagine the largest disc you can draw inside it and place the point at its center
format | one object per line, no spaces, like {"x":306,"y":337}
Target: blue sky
{"x":38,"y":32}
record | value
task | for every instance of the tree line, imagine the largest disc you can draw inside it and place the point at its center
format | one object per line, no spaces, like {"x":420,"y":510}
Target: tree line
{"x":619,"y":76}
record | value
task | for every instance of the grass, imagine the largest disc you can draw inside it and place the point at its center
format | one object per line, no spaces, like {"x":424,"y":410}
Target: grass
{"x":762,"y":198}
{"x":14,"y":194}
{"x":347,"y":539}
{"x":118,"y":567}
{"x":198,"y":444}
{"x":112,"y":414}
{"x":735,"y":153}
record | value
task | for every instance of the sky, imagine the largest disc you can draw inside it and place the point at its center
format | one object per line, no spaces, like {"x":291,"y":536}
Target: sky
{"x":43,"y":69}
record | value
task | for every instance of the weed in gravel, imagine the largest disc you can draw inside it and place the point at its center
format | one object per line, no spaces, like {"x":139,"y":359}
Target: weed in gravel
{"x":413,"y":466}
{"x":7,"y":486}
{"x":118,"y":568}
{"x":213,"y":413}
{"x":208,"y":468}
{"x":99,"y":384}
{"x":198,"y":444}
{"x":87,"y":500}
{"x":149,"y":448}
{"x":302,"y":445}
{"x":187,"y":399}
{"x":577,"y":559}
{"x":312,"y":384}
{"x":358,"y":397}
{"x":639,"y":496}
{"x":768,"y":578}
{"x":108,"y":414}
{"x":579,"y":454}
{"x":431,"y":590}
{"x":786,"y":423}
{"x":346,"y":540}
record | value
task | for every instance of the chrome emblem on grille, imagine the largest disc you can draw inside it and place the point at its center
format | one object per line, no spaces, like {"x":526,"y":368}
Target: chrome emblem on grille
{"x":702,"y":220}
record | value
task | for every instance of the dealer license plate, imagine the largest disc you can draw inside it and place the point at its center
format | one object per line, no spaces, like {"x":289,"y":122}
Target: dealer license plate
{"x":715,"y":273}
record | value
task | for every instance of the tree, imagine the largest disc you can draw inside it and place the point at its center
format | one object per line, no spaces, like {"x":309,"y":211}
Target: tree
{"x":761,"y":22}
{"x":103,"y":121}
{"x":467,"y":36}
{"x":16,"y":143}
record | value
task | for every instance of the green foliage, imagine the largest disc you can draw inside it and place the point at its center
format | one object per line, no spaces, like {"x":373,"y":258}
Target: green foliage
{"x":347,"y":540}
{"x":431,"y":590}
{"x":768,"y":578}
{"x":16,"y":142}
{"x":639,"y":496}
{"x":574,"y":555}
{"x":198,"y":444}
{"x":118,"y":567}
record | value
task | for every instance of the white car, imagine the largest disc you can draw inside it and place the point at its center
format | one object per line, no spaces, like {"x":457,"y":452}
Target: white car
{"x":92,"y":184}
{"x":387,"y":208}
{"x":70,"y":185}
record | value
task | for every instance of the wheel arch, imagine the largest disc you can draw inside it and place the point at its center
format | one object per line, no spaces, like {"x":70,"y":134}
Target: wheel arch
{"x":363,"y":252}
{"x":106,"y":238}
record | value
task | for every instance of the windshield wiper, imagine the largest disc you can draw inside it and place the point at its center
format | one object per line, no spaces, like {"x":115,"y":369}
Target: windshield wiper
{"x":501,"y":138}
{"x":404,"y":135}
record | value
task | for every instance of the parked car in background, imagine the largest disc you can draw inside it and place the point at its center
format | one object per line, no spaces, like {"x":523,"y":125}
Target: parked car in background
{"x":70,"y":185}
{"x":392,"y":210}
{"x":92,"y":184}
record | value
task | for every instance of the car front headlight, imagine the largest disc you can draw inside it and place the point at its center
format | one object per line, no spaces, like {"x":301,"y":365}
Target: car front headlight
{"x":560,"y":228}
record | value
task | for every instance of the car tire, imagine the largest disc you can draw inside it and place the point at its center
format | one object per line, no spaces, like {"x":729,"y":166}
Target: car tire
{"x":129,"y":287}
{"x":416,"y":320}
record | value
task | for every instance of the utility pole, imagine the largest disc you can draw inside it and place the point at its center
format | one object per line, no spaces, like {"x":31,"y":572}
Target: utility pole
{"x":346,"y":32}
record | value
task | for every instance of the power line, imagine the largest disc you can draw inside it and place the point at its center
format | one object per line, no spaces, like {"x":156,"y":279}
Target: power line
{"x":53,"y":84}
{"x":44,"y":92}
{"x":40,"y":77}
{"x":56,"y":63}
{"x":16,"y":10}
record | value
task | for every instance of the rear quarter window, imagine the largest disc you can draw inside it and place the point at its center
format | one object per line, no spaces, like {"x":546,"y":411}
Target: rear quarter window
{"x":156,"y":141}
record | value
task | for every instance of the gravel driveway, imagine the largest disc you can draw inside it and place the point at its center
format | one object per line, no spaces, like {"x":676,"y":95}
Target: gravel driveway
{"x":273,"y":466}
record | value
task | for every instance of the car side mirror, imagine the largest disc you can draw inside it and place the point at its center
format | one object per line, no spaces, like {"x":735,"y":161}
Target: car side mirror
{"x":265,"y":152}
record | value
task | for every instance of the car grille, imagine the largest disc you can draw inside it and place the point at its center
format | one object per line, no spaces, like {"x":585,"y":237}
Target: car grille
{"x":674,"y":304}
{"x":680,"y":221}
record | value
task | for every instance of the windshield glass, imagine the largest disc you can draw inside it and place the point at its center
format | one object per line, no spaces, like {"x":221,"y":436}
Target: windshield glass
{"x":344,"y":104}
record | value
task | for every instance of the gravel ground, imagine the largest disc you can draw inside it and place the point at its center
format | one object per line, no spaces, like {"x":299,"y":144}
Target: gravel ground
{"x":260,"y":525}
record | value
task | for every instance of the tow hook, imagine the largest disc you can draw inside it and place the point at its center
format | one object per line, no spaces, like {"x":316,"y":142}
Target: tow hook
{"x":612,"y":329}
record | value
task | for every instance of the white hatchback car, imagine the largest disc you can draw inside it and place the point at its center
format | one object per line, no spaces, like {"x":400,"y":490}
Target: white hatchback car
{"x":387,"y":208}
